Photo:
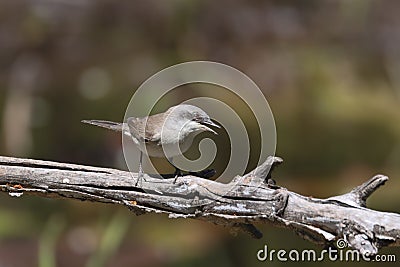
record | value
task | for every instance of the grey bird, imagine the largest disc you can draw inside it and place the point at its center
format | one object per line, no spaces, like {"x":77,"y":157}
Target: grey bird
{"x":172,"y":131}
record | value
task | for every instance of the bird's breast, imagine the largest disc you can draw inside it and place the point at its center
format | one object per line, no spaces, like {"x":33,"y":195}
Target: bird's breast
{"x":163,"y":148}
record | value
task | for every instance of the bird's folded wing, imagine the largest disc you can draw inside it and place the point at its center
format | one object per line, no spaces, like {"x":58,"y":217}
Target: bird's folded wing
{"x":143,"y":129}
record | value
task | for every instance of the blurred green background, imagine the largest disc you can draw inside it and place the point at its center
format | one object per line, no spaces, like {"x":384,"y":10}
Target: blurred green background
{"x":329,"y":69}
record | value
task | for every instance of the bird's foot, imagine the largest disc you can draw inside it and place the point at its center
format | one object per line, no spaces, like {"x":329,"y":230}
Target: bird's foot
{"x":177,"y":173}
{"x":208,"y":173}
{"x":140,"y":178}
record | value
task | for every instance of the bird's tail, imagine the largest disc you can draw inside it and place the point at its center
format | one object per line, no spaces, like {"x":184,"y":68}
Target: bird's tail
{"x":115,"y":126}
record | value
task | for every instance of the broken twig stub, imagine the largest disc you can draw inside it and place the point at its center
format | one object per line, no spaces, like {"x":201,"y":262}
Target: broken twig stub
{"x":248,"y":200}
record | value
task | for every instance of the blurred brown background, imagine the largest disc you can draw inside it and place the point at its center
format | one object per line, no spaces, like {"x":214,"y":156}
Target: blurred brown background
{"x":329,"y":69}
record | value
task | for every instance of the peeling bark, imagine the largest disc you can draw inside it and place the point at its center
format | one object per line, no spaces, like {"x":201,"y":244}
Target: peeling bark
{"x":247,"y":200}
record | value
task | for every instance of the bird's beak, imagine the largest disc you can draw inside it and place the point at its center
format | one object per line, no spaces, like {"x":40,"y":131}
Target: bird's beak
{"x":211,"y":123}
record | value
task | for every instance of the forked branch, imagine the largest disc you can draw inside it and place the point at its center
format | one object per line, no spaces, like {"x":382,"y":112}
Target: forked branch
{"x":247,"y":200}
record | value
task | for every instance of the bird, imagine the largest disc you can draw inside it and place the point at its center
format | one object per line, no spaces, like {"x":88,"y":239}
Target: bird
{"x":172,"y":131}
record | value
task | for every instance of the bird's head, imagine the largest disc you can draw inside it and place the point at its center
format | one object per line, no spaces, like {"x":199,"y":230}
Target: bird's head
{"x":193,"y":119}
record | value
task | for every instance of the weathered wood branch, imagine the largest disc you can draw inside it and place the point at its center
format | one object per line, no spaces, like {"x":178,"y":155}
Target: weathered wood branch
{"x":247,"y":200}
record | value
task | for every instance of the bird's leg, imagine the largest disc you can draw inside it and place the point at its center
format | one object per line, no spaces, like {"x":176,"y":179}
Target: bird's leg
{"x":178,"y":172}
{"x":140,"y":174}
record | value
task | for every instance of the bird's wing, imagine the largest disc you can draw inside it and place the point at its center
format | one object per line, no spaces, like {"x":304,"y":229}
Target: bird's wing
{"x":136,"y":128}
{"x":152,"y":131}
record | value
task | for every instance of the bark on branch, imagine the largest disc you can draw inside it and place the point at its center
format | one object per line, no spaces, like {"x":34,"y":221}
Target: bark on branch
{"x":247,"y":200}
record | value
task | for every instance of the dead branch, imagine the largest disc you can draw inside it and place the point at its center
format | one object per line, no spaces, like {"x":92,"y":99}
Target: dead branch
{"x":247,"y":200}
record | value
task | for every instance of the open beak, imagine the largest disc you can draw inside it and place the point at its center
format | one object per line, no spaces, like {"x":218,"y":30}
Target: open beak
{"x":211,"y":123}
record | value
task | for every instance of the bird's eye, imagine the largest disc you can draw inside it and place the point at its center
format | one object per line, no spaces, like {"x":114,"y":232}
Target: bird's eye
{"x":197,"y":119}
